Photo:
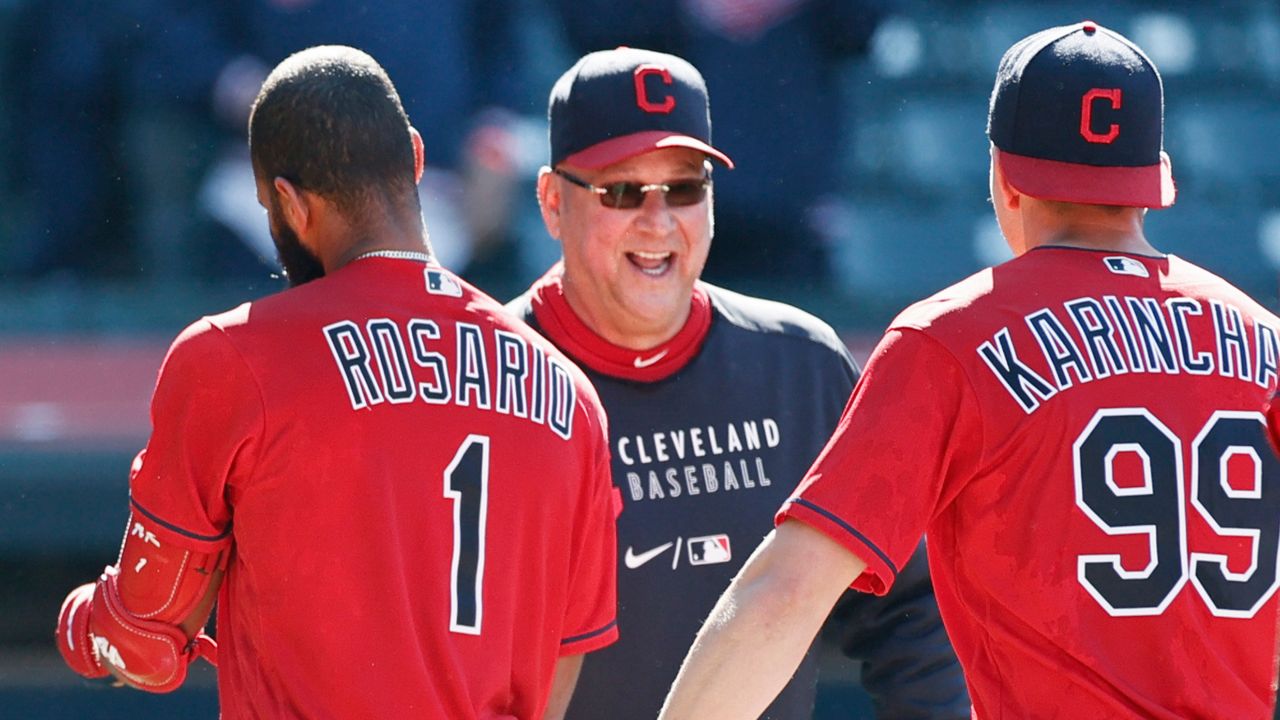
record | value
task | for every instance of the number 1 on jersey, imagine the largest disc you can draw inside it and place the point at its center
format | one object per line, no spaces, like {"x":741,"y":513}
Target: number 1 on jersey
{"x":466,"y":483}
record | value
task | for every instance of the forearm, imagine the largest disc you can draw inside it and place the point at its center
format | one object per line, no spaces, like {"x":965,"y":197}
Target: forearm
{"x":762,"y":626}
{"x":742,"y":657}
{"x":908,"y":666}
{"x":562,"y":686}
{"x":199,"y":617}
{"x":139,"y":620}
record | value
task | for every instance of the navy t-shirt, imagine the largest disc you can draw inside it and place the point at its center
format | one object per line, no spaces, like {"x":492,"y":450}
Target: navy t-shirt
{"x":710,"y":433}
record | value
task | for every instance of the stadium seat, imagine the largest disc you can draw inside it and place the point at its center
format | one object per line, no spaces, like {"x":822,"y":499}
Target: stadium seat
{"x":1224,"y":146}
{"x":1222,"y":239}
{"x":929,"y":145}
{"x":899,"y":253}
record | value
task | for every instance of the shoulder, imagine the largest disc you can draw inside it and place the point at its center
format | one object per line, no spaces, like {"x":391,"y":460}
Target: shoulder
{"x":206,"y":354}
{"x":945,"y":305}
{"x":511,"y":319}
{"x":771,"y":318}
{"x":204,"y":365}
{"x":229,"y":320}
{"x":1199,"y":281}
{"x":516,"y":317}
{"x":522,"y":305}
{"x":261,"y":319}
{"x":208,"y":336}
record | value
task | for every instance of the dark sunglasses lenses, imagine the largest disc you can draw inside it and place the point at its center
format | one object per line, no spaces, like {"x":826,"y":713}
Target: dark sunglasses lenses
{"x":629,"y":195}
{"x":686,"y":192}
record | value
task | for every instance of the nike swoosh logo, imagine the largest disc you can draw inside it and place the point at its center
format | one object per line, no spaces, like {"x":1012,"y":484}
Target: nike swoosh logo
{"x":634,"y":561}
{"x":646,"y":362}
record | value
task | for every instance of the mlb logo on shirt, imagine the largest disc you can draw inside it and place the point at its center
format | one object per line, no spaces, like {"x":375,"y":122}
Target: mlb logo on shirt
{"x":439,"y":283}
{"x":1126,"y":266}
{"x":709,"y":550}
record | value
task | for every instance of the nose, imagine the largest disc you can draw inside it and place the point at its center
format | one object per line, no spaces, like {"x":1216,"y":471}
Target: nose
{"x":655,"y":212}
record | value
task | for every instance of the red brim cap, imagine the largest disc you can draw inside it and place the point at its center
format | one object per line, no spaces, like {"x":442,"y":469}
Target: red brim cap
{"x":1149,"y":186}
{"x":617,"y":149}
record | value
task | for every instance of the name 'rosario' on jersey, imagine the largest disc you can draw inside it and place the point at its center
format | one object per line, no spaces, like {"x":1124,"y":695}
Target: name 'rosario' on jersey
{"x":383,"y":362}
{"x":1118,"y":335}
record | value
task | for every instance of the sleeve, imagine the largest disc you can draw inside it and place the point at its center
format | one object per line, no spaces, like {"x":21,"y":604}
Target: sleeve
{"x":591,"y":612}
{"x":909,"y":438}
{"x":207,"y":419}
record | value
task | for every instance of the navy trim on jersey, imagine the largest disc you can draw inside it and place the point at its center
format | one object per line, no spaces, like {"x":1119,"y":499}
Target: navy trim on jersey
{"x":589,"y":635}
{"x":170,"y":526}
{"x":1161,"y":256}
{"x":849,"y":529}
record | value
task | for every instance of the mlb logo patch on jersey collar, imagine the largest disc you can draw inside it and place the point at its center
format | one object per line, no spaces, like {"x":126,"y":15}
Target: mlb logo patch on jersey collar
{"x":1121,"y":265}
{"x":440,"y":283}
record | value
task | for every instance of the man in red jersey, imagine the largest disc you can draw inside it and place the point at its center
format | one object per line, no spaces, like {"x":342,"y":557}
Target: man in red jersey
{"x":1079,"y":430}
{"x":404,"y":492}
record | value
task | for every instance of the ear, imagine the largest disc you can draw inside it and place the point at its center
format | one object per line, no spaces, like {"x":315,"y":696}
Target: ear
{"x":1168,"y":189}
{"x":1010,"y":197}
{"x":419,"y":154}
{"x":294,"y":204}
{"x":549,"y":199}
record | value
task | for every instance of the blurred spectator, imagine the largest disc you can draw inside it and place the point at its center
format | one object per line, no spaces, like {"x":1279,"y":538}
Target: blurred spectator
{"x":172,"y":138}
{"x":67,"y":84}
{"x":114,"y":131}
{"x":131,"y":115}
{"x":773,"y":67}
{"x":454,"y":62}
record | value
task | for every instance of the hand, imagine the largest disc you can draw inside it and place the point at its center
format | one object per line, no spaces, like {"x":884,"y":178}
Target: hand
{"x":97,"y":636}
{"x":73,"y":638}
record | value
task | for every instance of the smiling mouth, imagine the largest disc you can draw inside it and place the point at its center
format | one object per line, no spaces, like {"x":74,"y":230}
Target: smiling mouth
{"x":651,"y":263}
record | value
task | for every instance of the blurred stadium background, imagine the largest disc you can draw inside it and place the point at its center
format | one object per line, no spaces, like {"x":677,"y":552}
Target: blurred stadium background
{"x":80,"y":341}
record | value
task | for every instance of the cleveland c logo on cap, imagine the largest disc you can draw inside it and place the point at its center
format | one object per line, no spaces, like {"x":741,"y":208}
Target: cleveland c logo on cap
{"x":1086,"y":114}
{"x":642,"y":93}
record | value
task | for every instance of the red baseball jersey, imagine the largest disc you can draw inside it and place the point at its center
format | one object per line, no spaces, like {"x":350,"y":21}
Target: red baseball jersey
{"x":415,"y":487}
{"x":1080,"y":433}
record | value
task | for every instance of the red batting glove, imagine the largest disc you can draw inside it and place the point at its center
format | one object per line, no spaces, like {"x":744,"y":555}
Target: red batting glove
{"x":73,"y":638}
{"x":148,"y":655}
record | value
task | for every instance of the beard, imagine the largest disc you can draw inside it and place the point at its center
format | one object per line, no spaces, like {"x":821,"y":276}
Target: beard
{"x":300,"y":264}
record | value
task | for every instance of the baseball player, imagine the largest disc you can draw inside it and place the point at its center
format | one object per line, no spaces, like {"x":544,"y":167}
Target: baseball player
{"x":1079,"y":430}
{"x":718,"y":402}
{"x":399,"y":493}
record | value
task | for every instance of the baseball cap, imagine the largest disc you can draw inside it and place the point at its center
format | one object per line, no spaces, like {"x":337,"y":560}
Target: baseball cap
{"x":1077,"y":115}
{"x":616,"y":104}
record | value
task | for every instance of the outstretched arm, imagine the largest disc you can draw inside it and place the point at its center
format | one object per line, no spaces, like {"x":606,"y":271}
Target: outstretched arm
{"x":907,"y":664}
{"x":760,"y":629}
{"x":562,"y":686}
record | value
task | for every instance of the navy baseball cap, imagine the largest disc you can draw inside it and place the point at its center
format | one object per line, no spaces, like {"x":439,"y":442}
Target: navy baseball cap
{"x":1077,"y":115}
{"x":615,"y":104}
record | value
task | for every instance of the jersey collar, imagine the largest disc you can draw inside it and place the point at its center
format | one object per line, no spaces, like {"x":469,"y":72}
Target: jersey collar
{"x":563,"y":326}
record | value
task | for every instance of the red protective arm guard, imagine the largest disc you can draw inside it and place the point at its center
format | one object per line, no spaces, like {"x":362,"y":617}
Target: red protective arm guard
{"x":97,"y":635}
{"x":129,"y":623}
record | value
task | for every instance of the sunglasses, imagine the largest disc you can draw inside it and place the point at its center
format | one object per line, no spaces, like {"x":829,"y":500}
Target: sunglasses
{"x":630,"y":195}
